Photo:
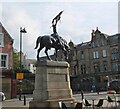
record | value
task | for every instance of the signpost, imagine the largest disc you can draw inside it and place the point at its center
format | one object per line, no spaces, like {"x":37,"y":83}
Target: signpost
{"x":20,"y":77}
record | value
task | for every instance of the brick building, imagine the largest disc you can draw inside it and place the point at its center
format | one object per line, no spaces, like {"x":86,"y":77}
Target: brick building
{"x":96,"y":62}
{"x":6,"y":48}
{"x":6,"y":61}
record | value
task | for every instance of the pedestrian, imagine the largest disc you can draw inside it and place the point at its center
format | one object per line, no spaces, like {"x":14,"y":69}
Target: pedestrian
{"x":98,"y":90}
{"x":82,"y":94}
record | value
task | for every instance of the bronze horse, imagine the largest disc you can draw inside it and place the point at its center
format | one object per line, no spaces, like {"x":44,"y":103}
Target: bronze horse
{"x":49,"y":42}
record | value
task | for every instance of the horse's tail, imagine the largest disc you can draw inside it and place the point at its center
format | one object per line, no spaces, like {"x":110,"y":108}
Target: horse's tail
{"x":37,"y":42}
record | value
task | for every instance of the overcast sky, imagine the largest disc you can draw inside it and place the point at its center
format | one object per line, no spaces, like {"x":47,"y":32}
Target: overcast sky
{"x":77,"y":20}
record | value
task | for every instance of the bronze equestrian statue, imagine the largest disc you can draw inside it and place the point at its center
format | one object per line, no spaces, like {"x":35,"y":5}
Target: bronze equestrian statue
{"x":52,"y":41}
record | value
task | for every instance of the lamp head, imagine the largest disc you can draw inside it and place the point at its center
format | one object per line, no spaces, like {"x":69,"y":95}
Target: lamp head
{"x":23,"y":30}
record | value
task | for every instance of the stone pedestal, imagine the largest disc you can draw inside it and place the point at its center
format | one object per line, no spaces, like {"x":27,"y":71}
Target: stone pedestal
{"x":52,"y":84}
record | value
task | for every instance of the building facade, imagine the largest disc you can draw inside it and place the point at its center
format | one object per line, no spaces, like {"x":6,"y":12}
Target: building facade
{"x":6,"y":62}
{"x":30,"y":64}
{"x":95,"y":63}
{"x":6,"y":49}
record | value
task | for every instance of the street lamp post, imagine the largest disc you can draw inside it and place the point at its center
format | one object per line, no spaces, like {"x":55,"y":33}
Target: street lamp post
{"x":21,"y":31}
{"x":108,"y":81}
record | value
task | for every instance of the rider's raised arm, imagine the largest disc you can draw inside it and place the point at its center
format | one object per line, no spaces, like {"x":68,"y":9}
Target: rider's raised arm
{"x":57,"y":18}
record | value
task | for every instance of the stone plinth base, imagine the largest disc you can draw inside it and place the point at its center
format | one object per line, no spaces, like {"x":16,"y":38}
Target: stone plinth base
{"x":51,"y":104}
{"x":52,"y":84}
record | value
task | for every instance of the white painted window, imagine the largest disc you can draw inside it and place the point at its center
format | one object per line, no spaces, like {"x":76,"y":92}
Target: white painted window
{"x":95,"y":55}
{"x":82,"y":55}
{"x":104,"y":53}
{"x":1,"y":40}
{"x":3,"y":60}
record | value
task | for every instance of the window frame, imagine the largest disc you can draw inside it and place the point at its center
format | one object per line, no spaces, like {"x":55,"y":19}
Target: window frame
{"x":6,"y":61}
{"x":105,"y":66}
{"x":95,"y":54}
{"x":2,"y":39}
{"x":96,"y":67}
{"x":114,"y":54}
{"x":82,"y":55}
{"x":104,"y":53}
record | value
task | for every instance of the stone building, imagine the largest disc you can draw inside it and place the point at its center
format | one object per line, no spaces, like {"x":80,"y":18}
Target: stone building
{"x":95,"y":63}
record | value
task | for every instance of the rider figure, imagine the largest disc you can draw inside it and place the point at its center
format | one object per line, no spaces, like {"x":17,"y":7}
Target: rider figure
{"x":54,"y":23}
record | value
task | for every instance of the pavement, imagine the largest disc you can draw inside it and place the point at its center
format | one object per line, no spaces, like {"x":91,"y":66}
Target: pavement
{"x":17,"y":104}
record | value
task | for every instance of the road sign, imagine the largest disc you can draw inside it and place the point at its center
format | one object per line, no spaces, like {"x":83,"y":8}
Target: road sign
{"x":19,"y":75}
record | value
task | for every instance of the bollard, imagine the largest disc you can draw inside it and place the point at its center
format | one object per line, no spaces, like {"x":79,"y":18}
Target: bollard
{"x":20,"y":93}
{"x":24,"y":100}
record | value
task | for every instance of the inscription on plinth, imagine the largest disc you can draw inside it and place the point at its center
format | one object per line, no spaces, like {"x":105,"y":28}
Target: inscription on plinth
{"x":52,"y":84}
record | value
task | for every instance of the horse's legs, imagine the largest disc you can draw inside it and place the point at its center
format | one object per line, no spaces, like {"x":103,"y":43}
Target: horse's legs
{"x":46,"y":49}
{"x":65,"y":54}
{"x":39,"y":52}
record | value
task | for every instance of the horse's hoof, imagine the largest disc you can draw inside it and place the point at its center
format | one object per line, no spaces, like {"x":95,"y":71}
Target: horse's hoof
{"x":50,"y":59}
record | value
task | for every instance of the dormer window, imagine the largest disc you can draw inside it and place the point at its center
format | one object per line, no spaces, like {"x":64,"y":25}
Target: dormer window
{"x":1,"y":40}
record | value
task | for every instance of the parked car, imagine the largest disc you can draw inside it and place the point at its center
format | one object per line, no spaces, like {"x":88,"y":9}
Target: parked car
{"x":2,"y":96}
{"x":111,"y":92}
{"x":115,"y":85}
